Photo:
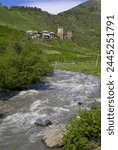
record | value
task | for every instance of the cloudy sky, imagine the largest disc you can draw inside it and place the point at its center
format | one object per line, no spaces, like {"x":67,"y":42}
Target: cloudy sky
{"x":52,"y":6}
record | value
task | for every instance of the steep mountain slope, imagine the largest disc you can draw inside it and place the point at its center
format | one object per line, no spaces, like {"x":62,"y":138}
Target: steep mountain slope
{"x":83,"y":20}
{"x":15,"y":19}
{"x":23,"y":18}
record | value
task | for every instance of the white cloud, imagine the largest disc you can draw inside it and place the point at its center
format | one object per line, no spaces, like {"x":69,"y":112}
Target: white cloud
{"x":54,"y":6}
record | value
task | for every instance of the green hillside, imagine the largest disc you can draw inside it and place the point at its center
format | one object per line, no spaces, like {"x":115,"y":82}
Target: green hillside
{"x":15,"y":19}
{"x":33,"y":57}
{"x":22,"y":18}
{"x":57,"y":51}
{"x":83,"y":20}
{"x":22,"y":61}
{"x":7,"y":33}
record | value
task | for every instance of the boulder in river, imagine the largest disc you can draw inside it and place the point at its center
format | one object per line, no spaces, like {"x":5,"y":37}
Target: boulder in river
{"x":80,"y":103}
{"x":53,"y":138}
{"x":43,"y":122}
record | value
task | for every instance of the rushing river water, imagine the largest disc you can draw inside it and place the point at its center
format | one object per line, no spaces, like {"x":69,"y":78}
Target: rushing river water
{"x":56,"y":99}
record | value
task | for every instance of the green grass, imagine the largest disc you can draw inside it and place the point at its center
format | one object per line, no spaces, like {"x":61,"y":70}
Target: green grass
{"x":66,"y":51}
{"x":69,"y":52}
{"x":57,"y":51}
{"x":83,"y":20}
{"x":88,"y":68}
{"x":16,"y":20}
{"x":7,"y":34}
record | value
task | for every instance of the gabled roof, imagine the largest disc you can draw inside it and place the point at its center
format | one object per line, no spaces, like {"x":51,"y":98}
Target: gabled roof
{"x":52,"y":33}
{"x":44,"y":31}
{"x":29,"y":31}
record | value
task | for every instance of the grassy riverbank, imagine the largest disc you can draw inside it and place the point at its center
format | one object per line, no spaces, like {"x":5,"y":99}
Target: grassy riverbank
{"x":67,"y":55}
{"x":88,"y":68}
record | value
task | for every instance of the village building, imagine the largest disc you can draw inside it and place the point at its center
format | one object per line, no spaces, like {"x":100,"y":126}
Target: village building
{"x":60,"y":33}
{"x":33,"y":34}
{"x":29,"y":32}
{"x":69,"y":35}
{"x":50,"y":35}
{"x":47,"y":34}
{"x":43,"y":34}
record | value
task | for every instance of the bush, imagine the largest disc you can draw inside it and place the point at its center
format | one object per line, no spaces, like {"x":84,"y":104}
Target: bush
{"x":24,"y":63}
{"x":84,"y":133}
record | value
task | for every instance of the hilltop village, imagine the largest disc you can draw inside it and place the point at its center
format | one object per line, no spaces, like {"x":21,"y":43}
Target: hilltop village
{"x":51,"y":35}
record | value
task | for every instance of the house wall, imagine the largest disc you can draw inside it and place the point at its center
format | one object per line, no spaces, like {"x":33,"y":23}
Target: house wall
{"x":47,"y":35}
{"x":69,"y":35}
{"x":60,"y":33}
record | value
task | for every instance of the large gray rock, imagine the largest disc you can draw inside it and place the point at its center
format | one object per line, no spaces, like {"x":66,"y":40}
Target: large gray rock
{"x":43,"y":122}
{"x":54,"y":137}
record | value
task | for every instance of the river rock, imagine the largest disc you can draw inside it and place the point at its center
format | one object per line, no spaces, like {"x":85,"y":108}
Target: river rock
{"x":43,"y":122}
{"x":80,"y":103}
{"x":53,"y":138}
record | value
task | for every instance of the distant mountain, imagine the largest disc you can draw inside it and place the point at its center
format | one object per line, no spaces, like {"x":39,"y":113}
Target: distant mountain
{"x":83,"y":20}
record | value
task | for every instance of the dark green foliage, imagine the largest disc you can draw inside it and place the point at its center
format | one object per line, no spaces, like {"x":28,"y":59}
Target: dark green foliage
{"x":18,"y":70}
{"x":21,"y":60}
{"x":84,"y":133}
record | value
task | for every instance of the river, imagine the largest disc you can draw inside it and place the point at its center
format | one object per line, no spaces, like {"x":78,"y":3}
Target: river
{"x":56,"y":98}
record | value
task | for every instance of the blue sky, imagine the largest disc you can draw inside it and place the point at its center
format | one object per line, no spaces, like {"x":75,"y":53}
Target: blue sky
{"x":52,"y":6}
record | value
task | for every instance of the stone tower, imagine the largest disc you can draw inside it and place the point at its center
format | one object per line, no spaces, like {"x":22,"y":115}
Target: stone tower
{"x":60,"y":33}
{"x":69,"y":35}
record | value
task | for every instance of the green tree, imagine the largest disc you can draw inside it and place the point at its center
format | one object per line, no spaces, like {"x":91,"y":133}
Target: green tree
{"x":24,"y":64}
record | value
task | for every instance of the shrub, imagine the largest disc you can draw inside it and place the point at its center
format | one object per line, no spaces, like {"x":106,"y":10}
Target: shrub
{"x":24,"y":64}
{"x":84,"y":133}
